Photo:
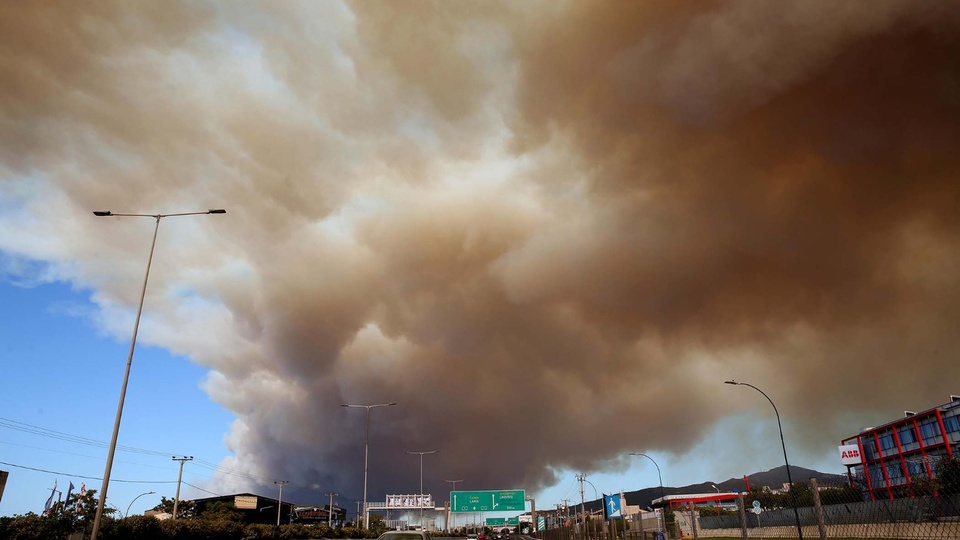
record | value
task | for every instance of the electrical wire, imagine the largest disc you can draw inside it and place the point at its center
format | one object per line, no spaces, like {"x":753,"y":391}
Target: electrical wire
{"x":203,"y":490}
{"x":67,"y":437}
{"x":87,"y":477}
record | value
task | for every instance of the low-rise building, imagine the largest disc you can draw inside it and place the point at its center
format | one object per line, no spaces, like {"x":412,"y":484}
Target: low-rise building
{"x":890,"y":458}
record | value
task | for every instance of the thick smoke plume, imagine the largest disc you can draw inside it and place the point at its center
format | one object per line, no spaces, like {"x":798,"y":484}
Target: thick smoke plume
{"x":557,"y":224}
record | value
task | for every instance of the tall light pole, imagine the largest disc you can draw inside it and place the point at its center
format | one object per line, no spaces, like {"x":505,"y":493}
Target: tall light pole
{"x":793,"y":492}
{"x":421,"y":454}
{"x":660,"y":478}
{"x":176,"y":498}
{"x":366,"y":456}
{"x":127,"y":513}
{"x":133,"y":344}
{"x":533,"y":517}
{"x":450,"y":515}
{"x":280,"y":498}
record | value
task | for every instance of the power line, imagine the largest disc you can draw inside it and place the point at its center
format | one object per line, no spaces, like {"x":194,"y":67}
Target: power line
{"x":203,"y":490}
{"x":81,"y":455}
{"x":59,"y":435}
{"x":88,"y":477}
{"x":67,"y":437}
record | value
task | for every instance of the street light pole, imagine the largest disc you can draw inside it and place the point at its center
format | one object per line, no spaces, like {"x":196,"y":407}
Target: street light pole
{"x":127,"y":513}
{"x":133,"y":344}
{"x":660,"y":478}
{"x":366,"y":455}
{"x":533,"y":516}
{"x":421,"y":454}
{"x":451,"y":513}
{"x":793,"y":492}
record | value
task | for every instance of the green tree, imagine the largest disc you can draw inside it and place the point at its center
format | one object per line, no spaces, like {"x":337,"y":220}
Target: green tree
{"x":801,"y":493}
{"x":841,"y":495}
{"x":948,"y":474}
{"x":81,"y":511}
{"x":185,"y":509}
{"x":220,"y":510}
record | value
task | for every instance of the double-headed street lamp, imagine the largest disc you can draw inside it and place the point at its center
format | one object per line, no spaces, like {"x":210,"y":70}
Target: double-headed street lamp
{"x":366,"y":455}
{"x":421,"y":454}
{"x":793,"y":492}
{"x":133,"y":344}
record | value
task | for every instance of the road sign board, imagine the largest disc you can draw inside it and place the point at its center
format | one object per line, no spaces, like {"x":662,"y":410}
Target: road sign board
{"x":487,"y":501}
{"x":501,"y":522}
{"x":611,"y":506}
{"x":757,"y":510}
{"x":756,"y":504}
{"x":541,"y":523}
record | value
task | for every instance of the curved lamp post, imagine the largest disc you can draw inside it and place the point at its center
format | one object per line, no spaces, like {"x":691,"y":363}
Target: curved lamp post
{"x":421,"y":454}
{"x":793,"y":492}
{"x":660,"y":478}
{"x":133,"y":344}
{"x":366,"y":455}
{"x":127,"y":513}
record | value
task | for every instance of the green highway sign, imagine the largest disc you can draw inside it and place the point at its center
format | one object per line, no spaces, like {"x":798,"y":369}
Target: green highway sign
{"x":487,"y":501}
{"x":501,"y":522}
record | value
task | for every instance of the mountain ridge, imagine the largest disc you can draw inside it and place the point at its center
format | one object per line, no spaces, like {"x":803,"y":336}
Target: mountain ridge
{"x":773,"y":478}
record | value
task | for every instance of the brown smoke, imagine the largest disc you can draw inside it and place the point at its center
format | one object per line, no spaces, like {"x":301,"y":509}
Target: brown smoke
{"x":533,"y":226}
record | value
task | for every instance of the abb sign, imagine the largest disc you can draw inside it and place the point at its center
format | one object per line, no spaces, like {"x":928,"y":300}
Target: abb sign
{"x":850,"y":455}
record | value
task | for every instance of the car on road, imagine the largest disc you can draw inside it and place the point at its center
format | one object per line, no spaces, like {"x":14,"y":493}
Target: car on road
{"x":405,"y":535}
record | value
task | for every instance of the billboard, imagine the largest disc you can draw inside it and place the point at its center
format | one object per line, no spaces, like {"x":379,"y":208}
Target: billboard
{"x":409,"y":501}
{"x":245,"y":502}
{"x":850,"y":454}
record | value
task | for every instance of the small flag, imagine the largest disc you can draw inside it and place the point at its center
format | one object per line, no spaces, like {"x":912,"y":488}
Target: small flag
{"x":69,"y":491}
{"x":46,"y":507}
{"x":83,"y":491}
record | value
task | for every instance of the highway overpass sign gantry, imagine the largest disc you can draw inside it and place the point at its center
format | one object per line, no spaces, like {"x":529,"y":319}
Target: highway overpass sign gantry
{"x":487,"y":501}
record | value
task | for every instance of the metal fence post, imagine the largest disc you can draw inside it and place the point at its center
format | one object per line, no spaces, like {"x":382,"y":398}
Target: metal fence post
{"x":693,"y":520}
{"x":818,"y":509}
{"x":741,"y":506}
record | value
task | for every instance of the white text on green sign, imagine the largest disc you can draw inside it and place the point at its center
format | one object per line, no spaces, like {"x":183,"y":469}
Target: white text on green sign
{"x":487,"y":501}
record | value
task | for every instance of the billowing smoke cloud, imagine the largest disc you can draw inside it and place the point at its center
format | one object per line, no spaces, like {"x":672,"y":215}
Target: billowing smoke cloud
{"x":522,"y":222}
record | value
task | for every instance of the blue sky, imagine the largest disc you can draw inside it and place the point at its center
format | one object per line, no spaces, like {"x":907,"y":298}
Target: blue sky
{"x":61,"y":374}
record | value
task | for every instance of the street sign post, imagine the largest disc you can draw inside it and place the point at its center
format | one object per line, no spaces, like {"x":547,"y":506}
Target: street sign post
{"x":611,"y":506}
{"x":487,"y":501}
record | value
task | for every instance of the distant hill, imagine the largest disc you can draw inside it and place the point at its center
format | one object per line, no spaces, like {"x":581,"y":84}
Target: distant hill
{"x":774,"y":478}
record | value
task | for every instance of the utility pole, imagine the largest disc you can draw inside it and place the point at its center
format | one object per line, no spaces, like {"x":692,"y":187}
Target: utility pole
{"x":583,"y":514}
{"x":358,"y":511}
{"x":176,"y":499}
{"x":280,"y":498}
{"x":330,"y":509}
{"x":566,"y":508}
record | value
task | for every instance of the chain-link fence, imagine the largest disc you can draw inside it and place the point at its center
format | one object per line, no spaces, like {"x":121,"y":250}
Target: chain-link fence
{"x":835,"y":508}
{"x":840,"y":507}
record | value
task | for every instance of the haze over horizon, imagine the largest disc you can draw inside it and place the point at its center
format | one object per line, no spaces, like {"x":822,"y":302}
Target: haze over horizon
{"x":549,"y":230}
